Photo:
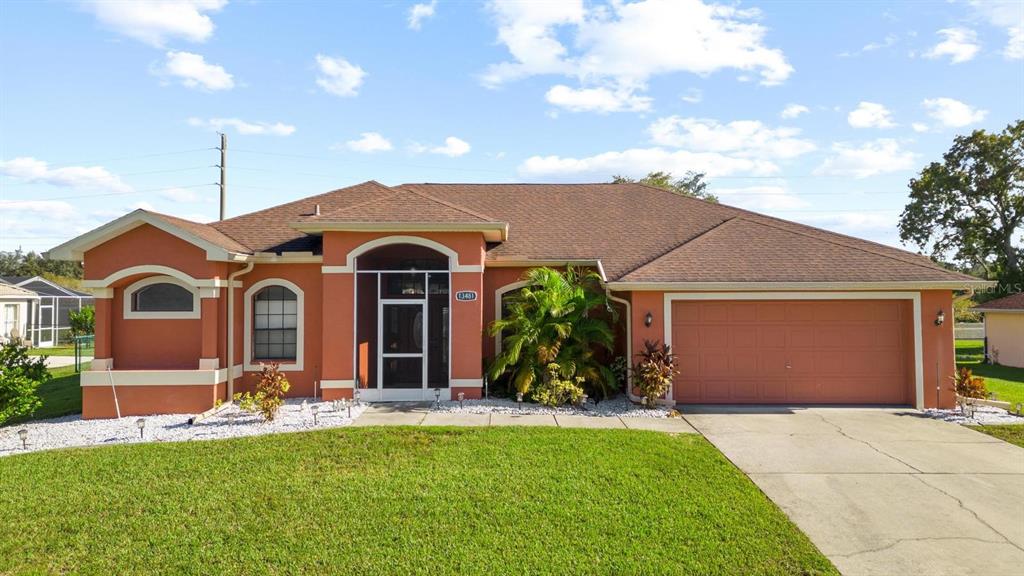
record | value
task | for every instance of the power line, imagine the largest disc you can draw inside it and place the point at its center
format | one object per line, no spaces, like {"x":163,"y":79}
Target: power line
{"x":382,"y":163}
{"x":144,"y":190}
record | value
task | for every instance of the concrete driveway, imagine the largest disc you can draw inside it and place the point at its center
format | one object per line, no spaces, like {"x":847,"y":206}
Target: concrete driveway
{"x":882,"y":491}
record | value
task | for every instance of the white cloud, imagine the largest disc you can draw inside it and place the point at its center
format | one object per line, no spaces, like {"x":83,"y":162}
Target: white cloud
{"x":890,"y":41}
{"x":919,"y":127}
{"x":44,"y":209}
{"x":600,"y":100}
{"x":794,"y":110}
{"x":453,"y":147}
{"x":242,"y":127}
{"x":870,"y":115}
{"x":619,"y":46}
{"x":157,"y":21}
{"x":879,"y":156}
{"x":1007,"y":14}
{"x":637,"y":162}
{"x":760,"y":198}
{"x":741,"y":138}
{"x":420,"y":12}
{"x":953,"y":113}
{"x":960,"y":44}
{"x":692,"y":95}
{"x":369,"y":142}
{"x":195,"y":72}
{"x":338,"y":76}
{"x":37,"y":171}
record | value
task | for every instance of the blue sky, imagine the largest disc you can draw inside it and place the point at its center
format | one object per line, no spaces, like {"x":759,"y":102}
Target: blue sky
{"x":815,"y":112}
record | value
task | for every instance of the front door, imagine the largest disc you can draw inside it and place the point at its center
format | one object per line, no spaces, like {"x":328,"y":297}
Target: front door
{"x":402,"y":360}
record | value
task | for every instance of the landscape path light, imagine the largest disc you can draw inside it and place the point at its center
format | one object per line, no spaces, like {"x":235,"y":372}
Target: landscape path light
{"x":23,"y":434}
{"x":437,"y":397}
{"x":519,"y":399}
{"x":314,"y":409}
{"x":462,"y":396}
{"x":141,"y":424}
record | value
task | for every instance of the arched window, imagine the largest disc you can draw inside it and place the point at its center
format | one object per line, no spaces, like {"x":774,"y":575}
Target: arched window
{"x":275,"y":324}
{"x":161,"y":297}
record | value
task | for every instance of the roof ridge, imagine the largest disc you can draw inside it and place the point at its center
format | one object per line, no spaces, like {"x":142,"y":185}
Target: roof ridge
{"x":451,"y":205}
{"x":675,"y":247}
{"x":845,"y":245}
{"x":298,"y":201}
{"x":359,"y":204}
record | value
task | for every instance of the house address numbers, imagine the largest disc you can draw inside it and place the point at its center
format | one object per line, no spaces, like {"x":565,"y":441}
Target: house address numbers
{"x":465,"y":295}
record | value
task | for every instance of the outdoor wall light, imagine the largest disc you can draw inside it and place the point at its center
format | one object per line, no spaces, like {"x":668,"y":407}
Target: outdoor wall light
{"x":314,"y":409}
{"x":23,"y":434}
{"x":940,"y":318}
{"x":141,"y":424}
{"x":462,"y":396}
{"x":649,"y":319}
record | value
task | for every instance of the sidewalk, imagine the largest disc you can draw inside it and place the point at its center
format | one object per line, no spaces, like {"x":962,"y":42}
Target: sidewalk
{"x":419,"y":414}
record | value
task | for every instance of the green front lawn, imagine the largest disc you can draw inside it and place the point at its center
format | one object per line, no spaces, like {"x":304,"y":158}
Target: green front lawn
{"x":397,"y":501}
{"x":1005,"y":381}
{"x":61,"y":395}
{"x":1012,"y":433}
{"x":68,"y":350}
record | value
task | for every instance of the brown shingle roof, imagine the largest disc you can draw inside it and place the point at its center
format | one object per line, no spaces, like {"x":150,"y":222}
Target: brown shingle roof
{"x":639,"y":233}
{"x":1011,"y":302}
{"x":206,"y":232}
{"x":755,"y":250}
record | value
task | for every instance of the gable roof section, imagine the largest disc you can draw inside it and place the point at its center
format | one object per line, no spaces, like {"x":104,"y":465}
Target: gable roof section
{"x":218,"y":246}
{"x":1011,"y":303}
{"x":44,"y":287}
{"x":10,"y":291}
{"x":758,"y":251}
{"x":406,"y":210}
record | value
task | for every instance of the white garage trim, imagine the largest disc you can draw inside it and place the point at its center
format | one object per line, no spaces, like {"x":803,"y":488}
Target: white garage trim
{"x":913,"y":296}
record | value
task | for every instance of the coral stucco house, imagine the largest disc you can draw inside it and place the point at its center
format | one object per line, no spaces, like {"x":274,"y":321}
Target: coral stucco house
{"x":390,"y":289}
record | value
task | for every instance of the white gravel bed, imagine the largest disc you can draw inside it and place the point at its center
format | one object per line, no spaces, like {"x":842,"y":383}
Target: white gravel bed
{"x":982,"y":415}
{"x":70,"y":431}
{"x":620,"y":406}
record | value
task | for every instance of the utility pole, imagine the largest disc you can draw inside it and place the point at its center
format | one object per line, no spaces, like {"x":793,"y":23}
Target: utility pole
{"x":223,"y":175}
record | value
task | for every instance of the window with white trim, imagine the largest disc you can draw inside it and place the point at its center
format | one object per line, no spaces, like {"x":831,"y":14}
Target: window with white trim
{"x":161,"y":297}
{"x":275,"y":313}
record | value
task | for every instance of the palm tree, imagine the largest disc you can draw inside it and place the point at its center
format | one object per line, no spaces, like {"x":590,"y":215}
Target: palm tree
{"x":556,"y":318}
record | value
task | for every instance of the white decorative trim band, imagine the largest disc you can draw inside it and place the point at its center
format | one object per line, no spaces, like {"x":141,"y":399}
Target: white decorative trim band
{"x":336,"y":384}
{"x":152,"y":269}
{"x":466,"y":383}
{"x":156,"y":377}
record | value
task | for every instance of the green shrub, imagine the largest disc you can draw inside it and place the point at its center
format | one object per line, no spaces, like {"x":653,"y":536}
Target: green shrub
{"x":556,"y":388}
{"x":270,"y":391}
{"x":82,"y":321}
{"x":653,"y":374}
{"x":20,"y":377}
{"x":560,"y":318}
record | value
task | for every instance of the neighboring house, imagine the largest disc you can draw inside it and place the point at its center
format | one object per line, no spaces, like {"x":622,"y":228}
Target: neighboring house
{"x":15,"y":304}
{"x":48,"y":320}
{"x":1004,"y":330}
{"x":390,"y":289}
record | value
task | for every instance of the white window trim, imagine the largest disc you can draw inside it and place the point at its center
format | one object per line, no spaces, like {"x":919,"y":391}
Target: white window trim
{"x":915,"y":297}
{"x":129,"y":291}
{"x":299,"y":324}
{"x":350,"y":258}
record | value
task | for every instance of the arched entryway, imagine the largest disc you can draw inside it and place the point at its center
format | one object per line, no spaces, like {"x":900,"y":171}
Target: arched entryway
{"x":403,"y":322}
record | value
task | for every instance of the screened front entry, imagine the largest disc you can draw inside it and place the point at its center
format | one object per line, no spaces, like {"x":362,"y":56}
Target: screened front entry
{"x":402,"y":323}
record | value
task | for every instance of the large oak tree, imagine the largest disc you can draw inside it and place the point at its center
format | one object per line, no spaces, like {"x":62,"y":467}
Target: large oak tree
{"x":970,"y":207}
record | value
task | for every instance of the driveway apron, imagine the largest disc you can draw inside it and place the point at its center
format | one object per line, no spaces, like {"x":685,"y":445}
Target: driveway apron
{"x":882,"y":491}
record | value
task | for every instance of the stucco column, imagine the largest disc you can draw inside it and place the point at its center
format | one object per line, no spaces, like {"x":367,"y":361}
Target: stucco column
{"x":209,"y":314}
{"x":937,"y":351}
{"x":104,"y":306}
{"x":338,"y":339}
{"x":467,"y":335}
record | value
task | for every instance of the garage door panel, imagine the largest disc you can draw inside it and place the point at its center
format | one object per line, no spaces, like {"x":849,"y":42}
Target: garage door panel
{"x":794,"y":352}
